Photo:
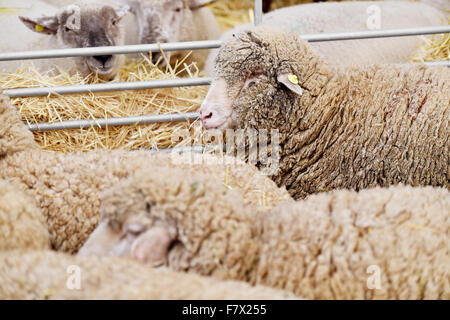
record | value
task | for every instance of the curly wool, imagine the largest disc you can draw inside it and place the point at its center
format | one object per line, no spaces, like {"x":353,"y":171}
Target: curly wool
{"x":67,"y":186}
{"x":320,"y":248}
{"x":44,"y":275}
{"x":22,"y":225}
{"x":357,"y":128}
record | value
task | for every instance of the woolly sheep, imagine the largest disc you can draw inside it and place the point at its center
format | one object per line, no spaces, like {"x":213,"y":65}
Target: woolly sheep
{"x":67,"y":186}
{"x":82,"y":24}
{"x":45,"y":275}
{"x":378,"y":243}
{"x":354,"y":128}
{"x":22,"y":225}
{"x":351,"y":16}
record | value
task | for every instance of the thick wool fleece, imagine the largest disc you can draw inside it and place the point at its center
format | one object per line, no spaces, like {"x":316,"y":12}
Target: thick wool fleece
{"x":44,"y":275}
{"x":22,"y":224}
{"x":378,"y":243}
{"x":361,"y":127}
{"x":67,"y":186}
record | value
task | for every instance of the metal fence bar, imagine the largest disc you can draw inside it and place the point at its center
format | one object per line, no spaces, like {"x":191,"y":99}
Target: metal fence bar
{"x":100,"y":51}
{"x":111,"y":86}
{"x":375,"y":34}
{"x":443,"y":63}
{"x":258,"y":12}
{"x":123,"y":121}
{"x":195,"y":149}
{"x":210,"y":44}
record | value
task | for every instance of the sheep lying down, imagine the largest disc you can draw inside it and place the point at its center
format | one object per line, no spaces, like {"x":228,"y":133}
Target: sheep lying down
{"x":387,"y":243}
{"x":160,"y":21}
{"x":36,"y":25}
{"x":52,"y":275}
{"x":352,"y":128}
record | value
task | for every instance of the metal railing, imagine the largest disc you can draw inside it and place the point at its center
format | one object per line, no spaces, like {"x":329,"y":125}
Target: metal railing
{"x":152,"y":84}
{"x":121,"y":121}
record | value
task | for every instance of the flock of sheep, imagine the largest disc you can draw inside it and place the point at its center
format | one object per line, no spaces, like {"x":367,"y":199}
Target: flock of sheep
{"x":364,"y":172}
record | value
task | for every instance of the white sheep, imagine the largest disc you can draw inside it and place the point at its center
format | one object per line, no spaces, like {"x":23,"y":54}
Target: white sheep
{"x":344,"y":16}
{"x":36,"y":25}
{"x":176,"y":21}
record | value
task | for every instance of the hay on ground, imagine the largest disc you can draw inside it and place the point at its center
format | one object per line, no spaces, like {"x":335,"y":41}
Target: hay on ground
{"x":107,"y":105}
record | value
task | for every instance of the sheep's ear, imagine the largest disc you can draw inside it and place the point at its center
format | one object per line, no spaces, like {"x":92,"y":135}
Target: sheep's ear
{"x":122,"y":11}
{"x":196,"y":4}
{"x":45,"y":24}
{"x":290,"y":80}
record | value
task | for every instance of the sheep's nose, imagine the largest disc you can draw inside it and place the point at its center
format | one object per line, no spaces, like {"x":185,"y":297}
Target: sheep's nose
{"x":205,"y":115}
{"x":103,"y":59}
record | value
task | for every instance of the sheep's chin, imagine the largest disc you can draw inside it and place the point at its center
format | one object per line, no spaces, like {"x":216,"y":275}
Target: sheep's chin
{"x":103,"y":73}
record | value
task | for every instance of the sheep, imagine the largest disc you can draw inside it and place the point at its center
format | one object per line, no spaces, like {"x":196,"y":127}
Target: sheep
{"x":387,"y":243}
{"x":354,"y":128}
{"x":173,"y":21}
{"x":47,"y":275}
{"x":22,"y":225}
{"x":67,"y":186}
{"x":314,"y":18}
{"x":82,"y":24}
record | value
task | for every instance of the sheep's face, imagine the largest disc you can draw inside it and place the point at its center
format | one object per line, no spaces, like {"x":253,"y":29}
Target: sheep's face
{"x":161,"y":21}
{"x":187,"y":223}
{"x":78,"y":27}
{"x":249,"y":74}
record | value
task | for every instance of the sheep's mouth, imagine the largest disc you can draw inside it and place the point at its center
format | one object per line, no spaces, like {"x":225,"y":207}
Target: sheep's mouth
{"x":105,"y":72}
{"x":222,"y":126}
{"x":102,"y":72}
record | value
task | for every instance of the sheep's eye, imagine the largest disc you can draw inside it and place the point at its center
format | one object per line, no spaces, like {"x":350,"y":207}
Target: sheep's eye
{"x":134,"y":229}
{"x":249,"y":83}
{"x":114,"y":22}
{"x":178,"y":10}
{"x":66,"y":29}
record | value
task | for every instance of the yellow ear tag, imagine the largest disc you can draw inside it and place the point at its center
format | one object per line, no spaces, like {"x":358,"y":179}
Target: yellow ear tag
{"x":39,"y":28}
{"x":293,"y":78}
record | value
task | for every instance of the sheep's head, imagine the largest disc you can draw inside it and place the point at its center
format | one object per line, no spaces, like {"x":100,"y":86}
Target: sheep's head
{"x":259,"y":74}
{"x":164,"y":20}
{"x":173,"y":219}
{"x":77,"y":26}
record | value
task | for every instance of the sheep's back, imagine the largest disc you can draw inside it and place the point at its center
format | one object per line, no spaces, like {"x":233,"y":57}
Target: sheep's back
{"x":375,"y":244}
